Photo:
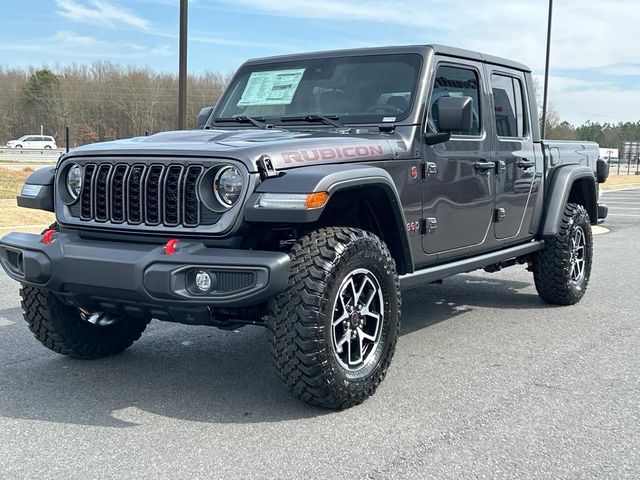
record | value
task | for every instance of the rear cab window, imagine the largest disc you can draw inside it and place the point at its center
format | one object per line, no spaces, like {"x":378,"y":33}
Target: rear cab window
{"x":509,"y":106}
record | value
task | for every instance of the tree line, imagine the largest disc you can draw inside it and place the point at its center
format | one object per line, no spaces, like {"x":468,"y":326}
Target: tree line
{"x":104,"y":101}
{"x":98,"y":102}
{"x":607,"y":135}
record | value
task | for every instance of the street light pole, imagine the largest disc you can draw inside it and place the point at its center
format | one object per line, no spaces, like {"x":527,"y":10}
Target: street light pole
{"x":546,"y":72}
{"x":182,"y":73}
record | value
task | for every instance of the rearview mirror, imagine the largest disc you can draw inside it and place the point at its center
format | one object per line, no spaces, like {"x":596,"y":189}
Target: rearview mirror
{"x":455,"y":114}
{"x":203,"y":117}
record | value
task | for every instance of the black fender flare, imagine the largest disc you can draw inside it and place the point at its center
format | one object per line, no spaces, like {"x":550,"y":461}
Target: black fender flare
{"x":330,"y":179}
{"x":560,"y":188}
{"x":37,"y":192}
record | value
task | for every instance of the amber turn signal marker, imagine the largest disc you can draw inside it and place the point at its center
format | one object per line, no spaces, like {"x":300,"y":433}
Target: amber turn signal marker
{"x":315,"y":200}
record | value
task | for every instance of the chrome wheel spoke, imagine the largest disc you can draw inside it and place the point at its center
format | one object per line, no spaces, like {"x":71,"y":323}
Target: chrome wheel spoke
{"x":357,"y":319}
{"x":340,"y":319}
{"x":355,"y":344}
{"x":578,"y":255}
{"x":365,"y":335}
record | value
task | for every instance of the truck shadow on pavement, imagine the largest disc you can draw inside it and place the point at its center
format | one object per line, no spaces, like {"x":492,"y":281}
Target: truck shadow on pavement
{"x":201,"y":374}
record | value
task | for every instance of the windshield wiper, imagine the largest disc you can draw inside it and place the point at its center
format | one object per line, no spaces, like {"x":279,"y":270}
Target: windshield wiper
{"x":255,"y":121}
{"x":326,"y":119}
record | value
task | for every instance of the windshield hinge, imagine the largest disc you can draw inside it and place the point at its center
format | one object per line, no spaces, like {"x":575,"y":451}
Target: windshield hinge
{"x":429,"y":170}
{"x":266,"y":168}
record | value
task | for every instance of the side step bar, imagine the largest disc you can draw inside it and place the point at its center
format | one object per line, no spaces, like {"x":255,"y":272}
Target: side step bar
{"x":433,"y":274}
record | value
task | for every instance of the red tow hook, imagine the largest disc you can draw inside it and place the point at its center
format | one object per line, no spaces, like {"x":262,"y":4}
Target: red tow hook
{"x":47,"y":237}
{"x":170,"y":247}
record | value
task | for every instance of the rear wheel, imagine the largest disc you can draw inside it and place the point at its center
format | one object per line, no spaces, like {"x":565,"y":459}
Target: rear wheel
{"x":76,"y":332}
{"x":562,"y":269}
{"x":333,"y":332}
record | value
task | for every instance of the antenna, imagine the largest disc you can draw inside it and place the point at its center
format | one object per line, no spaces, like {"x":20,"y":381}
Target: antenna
{"x":546,"y":72}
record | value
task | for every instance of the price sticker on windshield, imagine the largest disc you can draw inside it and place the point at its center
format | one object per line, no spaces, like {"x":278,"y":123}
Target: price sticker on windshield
{"x":275,"y":87}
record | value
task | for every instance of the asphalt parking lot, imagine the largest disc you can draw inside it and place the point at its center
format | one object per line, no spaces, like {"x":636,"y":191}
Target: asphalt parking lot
{"x":487,"y":382}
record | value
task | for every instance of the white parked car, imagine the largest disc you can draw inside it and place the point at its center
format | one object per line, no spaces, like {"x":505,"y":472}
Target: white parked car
{"x":33,"y":141}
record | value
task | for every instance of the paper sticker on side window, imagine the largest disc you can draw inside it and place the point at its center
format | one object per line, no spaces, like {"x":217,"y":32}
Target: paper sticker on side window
{"x":276,"y":87}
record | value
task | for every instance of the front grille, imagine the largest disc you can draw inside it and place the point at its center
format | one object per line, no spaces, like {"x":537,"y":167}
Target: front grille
{"x":142,"y":194}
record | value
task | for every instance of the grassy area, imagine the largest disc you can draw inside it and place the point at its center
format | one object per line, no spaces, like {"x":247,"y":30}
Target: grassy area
{"x":10,"y":214}
{"x":621,"y":180}
{"x":11,"y":181}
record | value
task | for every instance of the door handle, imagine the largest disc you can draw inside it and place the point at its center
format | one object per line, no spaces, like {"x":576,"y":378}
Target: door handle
{"x":524,"y":163}
{"x":483,"y":166}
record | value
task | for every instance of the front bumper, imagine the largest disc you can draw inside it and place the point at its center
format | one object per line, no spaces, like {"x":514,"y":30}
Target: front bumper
{"x":140,"y":279}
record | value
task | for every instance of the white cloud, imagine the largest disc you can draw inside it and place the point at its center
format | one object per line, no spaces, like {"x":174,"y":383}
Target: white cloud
{"x":70,"y":44}
{"x":100,"y":12}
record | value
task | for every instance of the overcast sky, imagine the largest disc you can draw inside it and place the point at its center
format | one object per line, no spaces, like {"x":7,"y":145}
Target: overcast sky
{"x":595,"y":56}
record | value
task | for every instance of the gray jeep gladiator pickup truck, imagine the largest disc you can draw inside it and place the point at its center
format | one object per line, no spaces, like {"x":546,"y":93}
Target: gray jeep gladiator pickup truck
{"x":318,"y":186}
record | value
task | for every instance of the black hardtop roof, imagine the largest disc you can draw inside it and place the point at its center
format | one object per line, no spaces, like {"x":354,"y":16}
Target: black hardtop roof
{"x":420,"y":49}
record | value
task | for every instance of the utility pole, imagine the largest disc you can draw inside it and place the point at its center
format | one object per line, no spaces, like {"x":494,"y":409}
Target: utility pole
{"x":182,"y":73}
{"x":546,"y":72}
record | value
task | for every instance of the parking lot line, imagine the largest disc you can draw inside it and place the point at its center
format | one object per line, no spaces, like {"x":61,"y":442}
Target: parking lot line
{"x":622,"y":215}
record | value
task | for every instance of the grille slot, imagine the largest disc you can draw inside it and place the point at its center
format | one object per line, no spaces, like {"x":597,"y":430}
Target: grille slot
{"x":102,"y":192}
{"x":152,"y":192}
{"x":172,"y":193}
{"x":134,"y":204}
{"x":141,"y":194}
{"x":191,"y":202}
{"x":86,"y":200}
{"x":118,"y":193}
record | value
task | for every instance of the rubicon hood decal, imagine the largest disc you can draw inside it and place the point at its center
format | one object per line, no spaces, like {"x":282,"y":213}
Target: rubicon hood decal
{"x":335,"y":153}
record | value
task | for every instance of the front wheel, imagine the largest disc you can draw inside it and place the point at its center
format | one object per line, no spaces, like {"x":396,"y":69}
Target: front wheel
{"x":76,"y":332}
{"x":333,"y":332}
{"x":562,"y":269}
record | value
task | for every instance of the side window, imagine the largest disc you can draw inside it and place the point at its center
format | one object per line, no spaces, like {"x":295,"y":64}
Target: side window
{"x":456,"y":82}
{"x":508,"y":102}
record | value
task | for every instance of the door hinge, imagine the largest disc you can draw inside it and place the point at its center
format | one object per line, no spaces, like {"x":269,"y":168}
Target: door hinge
{"x":501,"y":167}
{"x":429,"y":170}
{"x":429,"y":225}
{"x":500,"y":213}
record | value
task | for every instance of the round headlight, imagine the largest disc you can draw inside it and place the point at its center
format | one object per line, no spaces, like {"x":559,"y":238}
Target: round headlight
{"x":74,"y":180}
{"x":227,"y":186}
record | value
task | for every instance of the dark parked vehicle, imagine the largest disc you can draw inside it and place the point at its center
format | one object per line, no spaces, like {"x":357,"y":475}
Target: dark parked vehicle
{"x":318,"y":186}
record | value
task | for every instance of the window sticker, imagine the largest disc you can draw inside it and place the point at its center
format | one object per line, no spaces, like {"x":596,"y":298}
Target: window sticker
{"x":389,"y":119}
{"x":275,"y":87}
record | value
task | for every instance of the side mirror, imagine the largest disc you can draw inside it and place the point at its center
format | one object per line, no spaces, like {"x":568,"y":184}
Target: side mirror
{"x":455,"y":114}
{"x":203,"y":117}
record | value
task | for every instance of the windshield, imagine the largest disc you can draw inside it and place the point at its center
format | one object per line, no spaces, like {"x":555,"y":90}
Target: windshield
{"x":365,"y":89}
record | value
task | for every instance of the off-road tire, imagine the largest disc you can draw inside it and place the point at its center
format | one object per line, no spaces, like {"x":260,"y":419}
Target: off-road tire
{"x":60,"y":328}
{"x":300,"y":318}
{"x":552,"y":264}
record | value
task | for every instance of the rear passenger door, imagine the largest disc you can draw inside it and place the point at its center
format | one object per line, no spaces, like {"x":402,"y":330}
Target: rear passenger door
{"x":514,"y":154}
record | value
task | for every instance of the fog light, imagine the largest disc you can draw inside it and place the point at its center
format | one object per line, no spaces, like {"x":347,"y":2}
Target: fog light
{"x":203,"y":281}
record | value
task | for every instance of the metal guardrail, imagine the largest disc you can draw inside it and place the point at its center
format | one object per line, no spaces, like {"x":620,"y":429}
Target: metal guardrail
{"x":26,"y":155}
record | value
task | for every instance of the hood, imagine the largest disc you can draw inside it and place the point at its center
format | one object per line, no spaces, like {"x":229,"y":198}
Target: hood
{"x":287,"y":148}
